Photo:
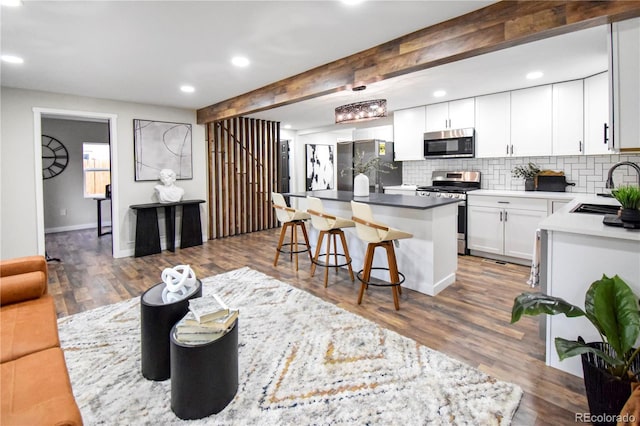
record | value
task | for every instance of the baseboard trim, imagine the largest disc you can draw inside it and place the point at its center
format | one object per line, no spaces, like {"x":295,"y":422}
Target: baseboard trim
{"x":75,"y":227}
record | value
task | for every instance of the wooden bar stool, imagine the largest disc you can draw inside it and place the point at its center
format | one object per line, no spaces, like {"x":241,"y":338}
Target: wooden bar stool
{"x":291,"y":219}
{"x":377,"y":235}
{"x":331,"y":227}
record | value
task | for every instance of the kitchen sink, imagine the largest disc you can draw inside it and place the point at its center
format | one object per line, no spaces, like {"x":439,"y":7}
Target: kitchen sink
{"x":596,"y":208}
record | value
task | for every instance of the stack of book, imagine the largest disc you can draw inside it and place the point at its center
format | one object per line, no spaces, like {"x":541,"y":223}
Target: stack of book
{"x":208,"y":319}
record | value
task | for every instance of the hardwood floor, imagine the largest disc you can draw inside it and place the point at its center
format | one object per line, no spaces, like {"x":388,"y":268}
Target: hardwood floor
{"x":468,"y":321}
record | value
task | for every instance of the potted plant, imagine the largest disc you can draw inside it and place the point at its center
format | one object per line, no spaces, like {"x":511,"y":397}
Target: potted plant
{"x":629,"y":198}
{"x":527,"y":172}
{"x":362,"y":166}
{"x":611,"y":365}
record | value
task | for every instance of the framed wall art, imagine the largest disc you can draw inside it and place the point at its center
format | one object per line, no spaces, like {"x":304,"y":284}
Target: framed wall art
{"x":161,"y":145}
{"x":320,"y":167}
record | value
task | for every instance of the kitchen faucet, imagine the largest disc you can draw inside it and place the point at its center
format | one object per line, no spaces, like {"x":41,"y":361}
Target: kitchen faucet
{"x":609,"y":183}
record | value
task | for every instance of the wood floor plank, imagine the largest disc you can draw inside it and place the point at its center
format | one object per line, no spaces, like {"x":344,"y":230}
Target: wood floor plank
{"x":468,"y":321}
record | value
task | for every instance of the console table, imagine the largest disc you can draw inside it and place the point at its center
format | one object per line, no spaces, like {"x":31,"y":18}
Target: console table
{"x":100,"y":200}
{"x":148,"y":232}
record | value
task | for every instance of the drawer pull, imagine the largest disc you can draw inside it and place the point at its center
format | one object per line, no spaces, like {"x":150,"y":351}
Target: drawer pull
{"x":504,"y":202}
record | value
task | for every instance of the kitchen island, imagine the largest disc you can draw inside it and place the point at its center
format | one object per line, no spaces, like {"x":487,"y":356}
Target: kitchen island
{"x":429,"y":260}
{"x":577,"y":249}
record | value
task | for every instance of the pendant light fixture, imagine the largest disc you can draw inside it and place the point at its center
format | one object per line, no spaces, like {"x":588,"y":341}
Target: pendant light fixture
{"x":361,"y":111}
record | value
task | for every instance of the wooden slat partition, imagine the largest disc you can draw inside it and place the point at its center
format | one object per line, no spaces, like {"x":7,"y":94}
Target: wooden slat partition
{"x":243,"y":172}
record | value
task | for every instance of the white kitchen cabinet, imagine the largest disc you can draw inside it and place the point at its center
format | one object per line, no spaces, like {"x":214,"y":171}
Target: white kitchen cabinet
{"x":493,"y":124}
{"x":504,"y":226}
{"x":383,"y":133}
{"x":531,"y":119}
{"x":520,"y":229}
{"x":458,"y":114}
{"x":625,"y":59}
{"x":596,"y":114}
{"x":485,"y":229}
{"x":408,"y":134}
{"x":568,"y":118}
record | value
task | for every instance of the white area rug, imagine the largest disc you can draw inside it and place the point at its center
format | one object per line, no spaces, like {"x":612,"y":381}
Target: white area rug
{"x":301,"y":361}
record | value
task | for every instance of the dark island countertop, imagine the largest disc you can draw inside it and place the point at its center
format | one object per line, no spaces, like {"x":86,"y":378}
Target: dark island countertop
{"x":393,"y":200}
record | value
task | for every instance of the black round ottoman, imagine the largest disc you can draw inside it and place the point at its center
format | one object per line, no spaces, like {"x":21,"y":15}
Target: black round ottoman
{"x":204,"y":377}
{"x":159,"y":311}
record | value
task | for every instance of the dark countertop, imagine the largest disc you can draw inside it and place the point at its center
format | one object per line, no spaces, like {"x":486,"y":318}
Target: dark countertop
{"x":393,"y":200}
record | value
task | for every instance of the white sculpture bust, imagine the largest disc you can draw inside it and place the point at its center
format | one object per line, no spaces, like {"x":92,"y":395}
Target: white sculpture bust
{"x":168,"y":192}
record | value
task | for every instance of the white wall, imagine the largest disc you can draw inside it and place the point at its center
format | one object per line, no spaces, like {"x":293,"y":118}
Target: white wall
{"x":65,"y":207}
{"x":18,"y":217}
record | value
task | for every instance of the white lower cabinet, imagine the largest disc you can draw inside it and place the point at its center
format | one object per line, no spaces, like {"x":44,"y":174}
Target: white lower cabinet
{"x":504,"y":226}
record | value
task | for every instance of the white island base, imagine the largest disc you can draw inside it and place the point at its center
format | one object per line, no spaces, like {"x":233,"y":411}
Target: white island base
{"x":428,"y":261}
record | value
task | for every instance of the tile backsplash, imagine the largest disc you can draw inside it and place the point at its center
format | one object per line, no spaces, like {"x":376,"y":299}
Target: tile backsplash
{"x":589,"y":172}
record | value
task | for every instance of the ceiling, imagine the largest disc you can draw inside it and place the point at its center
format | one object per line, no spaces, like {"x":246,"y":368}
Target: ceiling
{"x":143,"y":51}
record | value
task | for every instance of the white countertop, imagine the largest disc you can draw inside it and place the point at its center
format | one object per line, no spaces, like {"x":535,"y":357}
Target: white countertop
{"x":567,"y":196}
{"x":587,"y":224}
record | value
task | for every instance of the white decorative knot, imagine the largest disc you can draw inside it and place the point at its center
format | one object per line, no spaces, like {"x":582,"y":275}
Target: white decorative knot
{"x":178,"y":277}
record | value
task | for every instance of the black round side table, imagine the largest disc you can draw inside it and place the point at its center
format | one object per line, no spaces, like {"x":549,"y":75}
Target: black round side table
{"x":159,"y":311}
{"x":204,"y":377}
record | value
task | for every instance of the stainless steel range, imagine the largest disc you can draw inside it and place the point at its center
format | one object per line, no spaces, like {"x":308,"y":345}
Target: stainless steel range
{"x":448,"y":184}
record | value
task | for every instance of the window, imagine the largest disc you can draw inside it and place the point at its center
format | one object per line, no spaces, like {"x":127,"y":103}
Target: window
{"x":96,"y":168}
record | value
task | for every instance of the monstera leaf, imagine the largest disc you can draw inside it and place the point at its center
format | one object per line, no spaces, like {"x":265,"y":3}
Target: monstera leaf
{"x":539,"y":303}
{"x":613,"y":309}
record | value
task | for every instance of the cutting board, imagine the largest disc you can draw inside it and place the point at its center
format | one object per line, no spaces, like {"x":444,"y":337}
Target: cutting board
{"x":550,"y":183}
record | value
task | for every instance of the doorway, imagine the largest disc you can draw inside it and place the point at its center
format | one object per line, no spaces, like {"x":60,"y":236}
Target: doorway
{"x":110,"y":121}
{"x":284,"y":177}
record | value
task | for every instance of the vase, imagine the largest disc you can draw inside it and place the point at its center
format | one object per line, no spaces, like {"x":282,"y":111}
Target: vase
{"x":529,"y":184}
{"x":630,"y":215}
{"x":361,"y":185}
{"x":606,"y":394}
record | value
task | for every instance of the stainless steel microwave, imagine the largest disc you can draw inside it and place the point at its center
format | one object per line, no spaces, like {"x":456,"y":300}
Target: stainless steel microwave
{"x":456,"y":143}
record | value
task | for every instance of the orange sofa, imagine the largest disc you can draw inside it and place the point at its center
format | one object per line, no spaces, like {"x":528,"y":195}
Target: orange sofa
{"x":34,"y":383}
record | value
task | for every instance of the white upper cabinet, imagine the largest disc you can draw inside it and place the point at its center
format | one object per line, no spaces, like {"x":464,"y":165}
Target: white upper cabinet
{"x":596,"y":114}
{"x":493,"y":125}
{"x":408,"y":134}
{"x":531,"y":122}
{"x":567,"y":120}
{"x":384,"y":133}
{"x":458,"y":114}
{"x":625,"y":57}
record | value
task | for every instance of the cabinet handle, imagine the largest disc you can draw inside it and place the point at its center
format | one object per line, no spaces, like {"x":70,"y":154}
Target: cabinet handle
{"x":504,"y":202}
{"x":511,"y":149}
{"x":505,"y":216}
{"x":579,"y":146}
{"x":606,"y":139}
{"x":500,"y":216}
{"x":507,"y":149}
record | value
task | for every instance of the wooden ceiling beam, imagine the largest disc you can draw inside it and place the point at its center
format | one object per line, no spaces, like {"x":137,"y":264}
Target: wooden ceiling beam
{"x":495,"y":27}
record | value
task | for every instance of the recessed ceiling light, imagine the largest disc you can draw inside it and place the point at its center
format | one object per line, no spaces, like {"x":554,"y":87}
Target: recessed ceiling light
{"x":534,"y":75}
{"x":187,"y":89}
{"x":240,"y":61}
{"x":439,"y":93}
{"x":287,"y":126}
{"x":12,"y":3}
{"x":352,"y":2}
{"x":12,"y":59}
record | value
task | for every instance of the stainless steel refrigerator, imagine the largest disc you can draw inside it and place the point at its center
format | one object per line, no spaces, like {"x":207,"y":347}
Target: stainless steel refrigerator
{"x":370,"y":148}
